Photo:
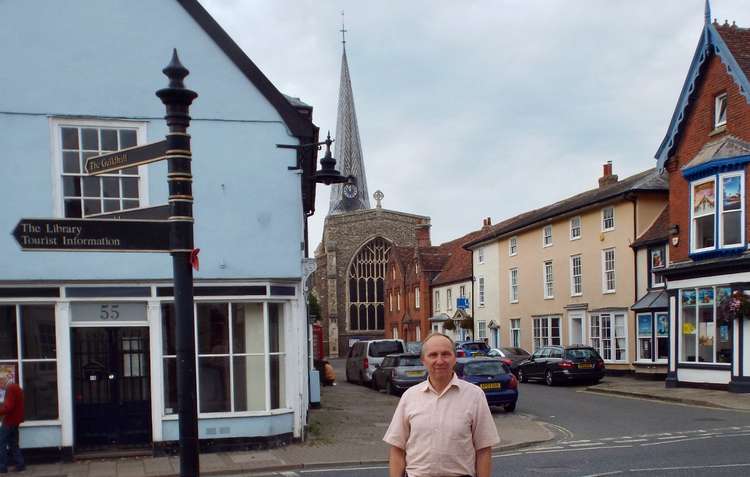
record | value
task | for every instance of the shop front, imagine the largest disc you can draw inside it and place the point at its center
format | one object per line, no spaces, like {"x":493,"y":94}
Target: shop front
{"x":98,"y":366}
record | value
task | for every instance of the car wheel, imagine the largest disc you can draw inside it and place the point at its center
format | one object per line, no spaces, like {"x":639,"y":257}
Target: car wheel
{"x":548,"y":378}
{"x":522,"y":376}
{"x":510,"y":407}
{"x":392,"y":389}
{"x":596,"y":380}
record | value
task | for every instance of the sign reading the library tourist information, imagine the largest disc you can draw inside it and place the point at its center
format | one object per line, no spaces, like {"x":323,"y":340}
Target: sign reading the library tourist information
{"x":90,"y":235}
{"x":126,"y":158}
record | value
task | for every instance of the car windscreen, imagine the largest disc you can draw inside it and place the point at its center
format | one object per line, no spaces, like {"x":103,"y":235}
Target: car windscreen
{"x":580,"y":354}
{"x":410,"y":361}
{"x":384,"y":348}
{"x":516,"y":351}
{"x":484,"y":368}
{"x":475,"y":347}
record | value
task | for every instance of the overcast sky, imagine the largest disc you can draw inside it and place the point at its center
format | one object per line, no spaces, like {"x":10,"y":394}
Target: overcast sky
{"x":473,"y":109}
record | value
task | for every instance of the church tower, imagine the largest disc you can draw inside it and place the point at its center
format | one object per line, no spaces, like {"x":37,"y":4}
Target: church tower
{"x":352,"y":195}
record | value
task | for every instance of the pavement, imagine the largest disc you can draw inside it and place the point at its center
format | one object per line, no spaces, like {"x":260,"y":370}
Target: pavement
{"x":655,"y":390}
{"x":349,"y":426}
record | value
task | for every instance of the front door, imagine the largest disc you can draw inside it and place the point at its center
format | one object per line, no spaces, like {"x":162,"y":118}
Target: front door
{"x":111,"y":387}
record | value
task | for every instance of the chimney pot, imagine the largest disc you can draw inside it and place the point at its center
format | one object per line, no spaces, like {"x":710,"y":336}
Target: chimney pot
{"x":607,"y":177}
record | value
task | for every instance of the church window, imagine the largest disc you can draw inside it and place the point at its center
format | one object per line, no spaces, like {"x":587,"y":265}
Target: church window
{"x":366,"y":283}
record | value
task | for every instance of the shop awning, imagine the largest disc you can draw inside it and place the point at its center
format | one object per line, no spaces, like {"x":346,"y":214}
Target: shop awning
{"x":656,"y":299}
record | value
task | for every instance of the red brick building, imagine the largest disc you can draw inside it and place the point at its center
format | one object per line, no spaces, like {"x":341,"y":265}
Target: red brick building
{"x":706,"y":152}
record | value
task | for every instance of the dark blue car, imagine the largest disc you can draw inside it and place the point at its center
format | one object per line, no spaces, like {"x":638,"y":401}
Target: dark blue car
{"x":494,"y":377}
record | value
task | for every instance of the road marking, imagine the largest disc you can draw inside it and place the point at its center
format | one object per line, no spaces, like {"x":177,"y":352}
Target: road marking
{"x":743,"y":434}
{"x":586,"y":444}
{"x":548,"y":448}
{"x":685,"y":439}
{"x":506,"y":455}
{"x":671,"y":437}
{"x":341,"y":469}
{"x":628,"y":441}
{"x":605,"y":473}
{"x":691,"y":467}
{"x":577,"y":449}
{"x":289,"y":474}
{"x":575,"y":442}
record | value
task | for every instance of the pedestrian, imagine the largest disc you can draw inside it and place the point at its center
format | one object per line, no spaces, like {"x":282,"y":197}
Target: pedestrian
{"x":11,"y":412}
{"x":329,"y":375}
{"x":442,"y":426}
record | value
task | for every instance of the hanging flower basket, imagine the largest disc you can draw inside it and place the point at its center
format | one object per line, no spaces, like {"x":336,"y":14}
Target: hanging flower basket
{"x":467,"y":323}
{"x":735,"y":306}
{"x":449,"y":325}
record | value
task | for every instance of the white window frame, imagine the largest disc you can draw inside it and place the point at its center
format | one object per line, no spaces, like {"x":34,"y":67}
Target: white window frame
{"x":605,"y":218}
{"x":547,"y":236}
{"x":480,"y":285}
{"x":718,"y":101}
{"x":575,"y":228}
{"x":542,"y":331}
{"x":576,"y":287}
{"x":694,"y":217}
{"x":513,"y":285}
{"x":640,"y":338}
{"x":515,"y":332}
{"x":398,"y":300}
{"x":697,"y":332}
{"x":56,"y":125}
{"x":599,"y":340}
{"x":651,"y":255}
{"x":513,"y":246}
{"x":548,"y":280}
{"x":437,"y":300}
{"x":417,"y":301}
{"x":390,"y":301}
{"x":719,"y":217}
{"x":480,"y":255}
{"x":481,"y":329}
{"x":449,"y":299}
{"x":606,"y":271}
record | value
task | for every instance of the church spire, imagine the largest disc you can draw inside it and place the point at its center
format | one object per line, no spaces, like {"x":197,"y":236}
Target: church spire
{"x":353,"y":194}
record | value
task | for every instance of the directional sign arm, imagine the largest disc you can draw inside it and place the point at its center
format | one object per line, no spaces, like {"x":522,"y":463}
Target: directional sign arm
{"x":126,"y":158}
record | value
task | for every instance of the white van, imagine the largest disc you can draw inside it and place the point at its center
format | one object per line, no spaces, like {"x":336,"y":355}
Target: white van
{"x":366,"y":356}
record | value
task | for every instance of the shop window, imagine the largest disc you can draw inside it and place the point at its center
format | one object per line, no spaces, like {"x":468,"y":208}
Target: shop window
{"x":608,"y":335}
{"x":241,"y":357}
{"x":704,"y":330}
{"x":36,"y":354}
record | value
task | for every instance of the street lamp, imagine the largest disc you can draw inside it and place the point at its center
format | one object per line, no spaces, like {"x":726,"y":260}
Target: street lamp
{"x":327,"y":174}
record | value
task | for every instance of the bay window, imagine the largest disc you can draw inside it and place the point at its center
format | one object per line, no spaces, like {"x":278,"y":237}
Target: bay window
{"x":608,"y":335}
{"x":727,"y":220}
{"x":241,"y":357}
{"x":28,"y":356}
{"x":705,"y":333}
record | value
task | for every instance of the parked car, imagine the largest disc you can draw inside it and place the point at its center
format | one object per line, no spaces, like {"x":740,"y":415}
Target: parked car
{"x":511,"y":356}
{"x":467,"y":349}
{"x":414,"y":347}
{"x":554,"y":364}
{"x":365,"y":356}
{"x":399,"y":372}
{"x":500,"y":386}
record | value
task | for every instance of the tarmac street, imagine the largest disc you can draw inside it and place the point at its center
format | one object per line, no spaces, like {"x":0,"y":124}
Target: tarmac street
{"x":622,"y":425}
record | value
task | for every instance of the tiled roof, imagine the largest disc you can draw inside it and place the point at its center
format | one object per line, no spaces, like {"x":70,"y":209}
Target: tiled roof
{"x":458,"y":266}
{"x":658,"y":232}
{"x":646,"y":181}
{"x":738,"y":41}
{"x":726,"y":147}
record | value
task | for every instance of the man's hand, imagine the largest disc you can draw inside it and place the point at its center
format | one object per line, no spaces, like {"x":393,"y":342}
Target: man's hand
{"x":483,"y":462}
{"x":397,"y":462}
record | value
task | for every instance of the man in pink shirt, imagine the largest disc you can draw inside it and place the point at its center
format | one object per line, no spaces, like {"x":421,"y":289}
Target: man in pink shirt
{"x":442,"y":427}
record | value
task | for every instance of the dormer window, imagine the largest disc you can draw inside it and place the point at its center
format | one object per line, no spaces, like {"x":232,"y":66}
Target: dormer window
{"x":720,"y":110}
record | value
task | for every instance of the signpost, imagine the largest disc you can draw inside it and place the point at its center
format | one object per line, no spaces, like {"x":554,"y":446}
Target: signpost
{"x":126,"y":158}
{"x":174,"y":235}
{"x":87,"y":235}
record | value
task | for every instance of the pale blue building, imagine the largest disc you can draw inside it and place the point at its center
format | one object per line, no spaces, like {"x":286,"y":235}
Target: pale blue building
{"x":88,"y":335}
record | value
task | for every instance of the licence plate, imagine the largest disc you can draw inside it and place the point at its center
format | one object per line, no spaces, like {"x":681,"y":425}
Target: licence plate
{"x":585,"y":366}
{"x":415,"y":373}
{"x":490,"y":385}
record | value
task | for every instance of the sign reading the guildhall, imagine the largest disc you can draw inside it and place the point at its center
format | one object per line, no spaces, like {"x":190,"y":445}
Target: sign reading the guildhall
{"x":126,"y":158}
{"x":93,"y":235}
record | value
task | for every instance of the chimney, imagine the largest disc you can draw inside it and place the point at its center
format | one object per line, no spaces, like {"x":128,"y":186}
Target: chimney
{"x":487,"y":222}
{"x":607,"y":177}
{"x":422,"y":235}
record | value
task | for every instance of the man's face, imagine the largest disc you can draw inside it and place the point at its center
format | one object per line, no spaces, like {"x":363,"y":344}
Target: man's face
{"x":439,"y":357}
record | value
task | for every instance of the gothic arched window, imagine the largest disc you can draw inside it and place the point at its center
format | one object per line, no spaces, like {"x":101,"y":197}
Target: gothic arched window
{"x":366,"y":278}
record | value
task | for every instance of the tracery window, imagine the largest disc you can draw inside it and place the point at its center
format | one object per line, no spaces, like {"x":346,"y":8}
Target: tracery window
{"x":366,"y":276}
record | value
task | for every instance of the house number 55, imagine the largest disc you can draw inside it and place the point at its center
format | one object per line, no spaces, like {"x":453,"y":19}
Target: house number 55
{"x":109,"y":312}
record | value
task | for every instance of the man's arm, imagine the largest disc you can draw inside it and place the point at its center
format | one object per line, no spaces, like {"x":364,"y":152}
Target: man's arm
{"x":397,"y":462}
{"x":483,"y":462}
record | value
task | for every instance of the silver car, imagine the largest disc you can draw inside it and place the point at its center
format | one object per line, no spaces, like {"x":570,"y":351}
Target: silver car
{"x":399,"y":372}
